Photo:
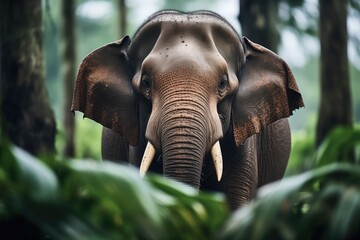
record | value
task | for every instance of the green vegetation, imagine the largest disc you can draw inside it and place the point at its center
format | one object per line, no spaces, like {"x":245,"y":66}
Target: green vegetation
{"x":87,"y":138}
{"x":93,"y":200}
{"x":320,"y":204}
{"x":302,"y":149}
{"x":84,"y":199}
{"x":52,"y":197}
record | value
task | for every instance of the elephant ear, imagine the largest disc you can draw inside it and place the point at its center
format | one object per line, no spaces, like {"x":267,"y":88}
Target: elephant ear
{"x":267,"y":92}
{"x":103,"y":90}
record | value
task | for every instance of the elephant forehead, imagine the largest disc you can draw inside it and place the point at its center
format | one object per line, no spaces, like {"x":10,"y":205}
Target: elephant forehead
{"x":190,"y":20}
{"x":184,"y":42}
{"x":185,"y":59}
{"x":201,"y":27}
{"x":204,"y":30}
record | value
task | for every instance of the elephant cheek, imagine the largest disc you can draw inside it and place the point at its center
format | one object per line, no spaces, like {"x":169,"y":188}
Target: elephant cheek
{"x":153,"y":133}
{"x":224,"y":112}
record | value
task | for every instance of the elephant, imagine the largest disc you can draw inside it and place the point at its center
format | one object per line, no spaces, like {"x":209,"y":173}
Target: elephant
{"x":188,"y":98}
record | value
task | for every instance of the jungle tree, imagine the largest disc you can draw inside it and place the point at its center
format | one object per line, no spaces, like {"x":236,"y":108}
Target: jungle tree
{"x":68,"y":71}
{"x":122,"y":17}
{"x":335,"y":103}
{"x":27,"y":118}
{"x":259,"y":19}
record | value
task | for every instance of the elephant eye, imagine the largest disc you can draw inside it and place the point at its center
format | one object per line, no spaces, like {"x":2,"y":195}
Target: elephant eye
{"x":223,"y":82}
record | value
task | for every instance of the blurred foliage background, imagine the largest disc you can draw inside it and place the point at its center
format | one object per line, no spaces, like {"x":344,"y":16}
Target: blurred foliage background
{"x":97,"y":23}
{"x":51,"y":197}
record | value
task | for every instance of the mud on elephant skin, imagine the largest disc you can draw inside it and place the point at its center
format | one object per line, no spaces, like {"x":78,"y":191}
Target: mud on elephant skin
{"x":207,"y":107}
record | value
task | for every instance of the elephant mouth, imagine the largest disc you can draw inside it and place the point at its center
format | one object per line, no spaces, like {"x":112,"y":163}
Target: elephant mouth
{"x":150,"y":153}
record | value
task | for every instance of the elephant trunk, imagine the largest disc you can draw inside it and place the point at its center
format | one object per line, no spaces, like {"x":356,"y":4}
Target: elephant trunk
{"x":187,"y":130}
{"x":183,"y":146}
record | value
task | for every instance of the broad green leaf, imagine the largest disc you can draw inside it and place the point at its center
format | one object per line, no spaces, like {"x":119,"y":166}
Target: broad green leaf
{"x":187,"y":213}
{"x":276,"y":201}
{"x":118,"y":192}
{"x":37,"y":180}
{"x":337,"y":146}
{"x":347,"y":212}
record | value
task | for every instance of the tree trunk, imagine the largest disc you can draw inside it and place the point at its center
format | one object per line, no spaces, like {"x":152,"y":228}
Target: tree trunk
{"x":27,"y":118}
{"x":122,"y":18}
{"x":259,"y":19}
{"x":69,"y":72}
{"x":335,"y":104}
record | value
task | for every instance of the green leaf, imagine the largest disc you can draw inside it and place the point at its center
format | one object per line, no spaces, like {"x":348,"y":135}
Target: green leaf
{"x":337,"y":146}
{"x":346,"y":213}
{"x":37,"y":180}
{"x":187,"y":213}
{"x":274,"y":215}
{"x":117,"y":195}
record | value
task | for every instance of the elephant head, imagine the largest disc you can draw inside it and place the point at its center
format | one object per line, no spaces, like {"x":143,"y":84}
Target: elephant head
{"x":182,"y":84}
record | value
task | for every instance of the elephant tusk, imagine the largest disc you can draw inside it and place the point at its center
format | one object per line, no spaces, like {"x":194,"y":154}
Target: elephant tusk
{"x":149,"y":155}
{"x":217,"y":158}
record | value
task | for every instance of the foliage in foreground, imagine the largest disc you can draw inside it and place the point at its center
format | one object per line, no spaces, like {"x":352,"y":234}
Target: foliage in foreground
{"x":92,"y":200}
{"x":320,"y":204}
{"x":323,"y":203}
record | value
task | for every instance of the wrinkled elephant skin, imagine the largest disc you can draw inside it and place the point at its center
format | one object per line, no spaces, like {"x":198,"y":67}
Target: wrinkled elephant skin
{"x":208,"y":108}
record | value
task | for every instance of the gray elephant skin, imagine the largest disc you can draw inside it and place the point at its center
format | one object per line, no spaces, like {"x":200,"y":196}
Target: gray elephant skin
{"x":189,"y":99}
